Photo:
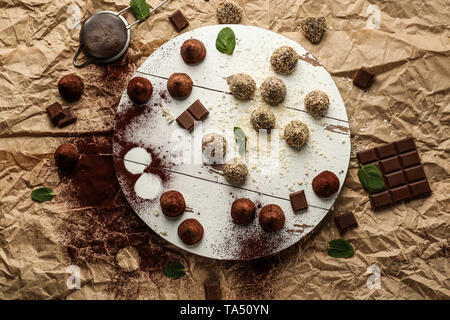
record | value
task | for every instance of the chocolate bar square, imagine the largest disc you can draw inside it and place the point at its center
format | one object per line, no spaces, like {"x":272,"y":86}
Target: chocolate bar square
{"x":420,"y":188}
{"x":386,"y":150}
{"x":395,"y":179}
{"x":55,"y":112}
{"x":409,"y":159}
{"x":198,"y":110}
{"x":345,"y":221}
{"x":298,"y":201}
{"x":415,"y":173}
{"x":186,"y":120}
{"x":364,"y":78}
{"x":400,"y":193}
{"x":380,"y":200}
{"x":69,"y":118}
{"x":178,"y":20}
{"x":405,"y":144}
{"x":390,"y":164}
{"x":367,"y":156}
{"x":212,"y":290}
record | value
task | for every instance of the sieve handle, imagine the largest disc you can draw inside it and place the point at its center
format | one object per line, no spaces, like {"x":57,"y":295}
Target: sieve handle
{"x":138,"y":21}
{"x":82,"y":64}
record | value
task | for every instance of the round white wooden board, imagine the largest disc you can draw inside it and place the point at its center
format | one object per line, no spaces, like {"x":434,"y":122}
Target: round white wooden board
{"x":274,"y":172}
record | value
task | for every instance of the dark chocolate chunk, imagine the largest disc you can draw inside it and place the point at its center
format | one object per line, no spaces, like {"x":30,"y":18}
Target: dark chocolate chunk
{"x":55,"y":112}
{"x":415,"y":173}
{"x":400,"y":193}
{"x":212,"y":290}
{"x":395,"y":179}
{"x":386,"y":150}
{"x":390,"y":164}
{"x":367,"y":156}
{"x":379,"y":200}
{"x":298,"y":201}
{"x":345,"y":221}
{"x":409,"y":159}
{"x":186,"y":120}
{"x":364,"y":78}
{"x":405,"y":144}
{"x":198,"y":110}
{"x":420,"y":188}
{"x":178,"y":20}
{"x":69,"y":118}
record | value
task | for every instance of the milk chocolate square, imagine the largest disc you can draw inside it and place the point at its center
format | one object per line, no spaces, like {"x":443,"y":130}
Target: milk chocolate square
{"x":400,"y":193}
{"x":212,"y":290}
{"x":415,"y":173}
{"x":69,"y":118}
{"x":367,"y":156}
{"x":380,"y":200}
{"x":409,"y":159}
{"x":198,"y":110}
{"x":420,"y":188}
{"x":345,"y":221}
{"x":385,"y":150}
{"x":390,"y":164}
{"x":55,"y":112}
{"x":405,"y":144}
{"x":186,"y":120}
{"x":298,"y":201}
{"x":178,"y":20}
{"x":364,"y":78}
{"x":395,"y":179}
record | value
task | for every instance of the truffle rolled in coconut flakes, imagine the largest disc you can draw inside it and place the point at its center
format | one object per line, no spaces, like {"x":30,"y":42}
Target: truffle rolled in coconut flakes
{"x":235,"y":172}
{"x":273,"y":90}
{"x":296,"y":133}
{"x":242,"y":86}
{"x":284,"y":60}
{"x":229,"y":12}
{"x":262,"y":118}
{"x":317,"y":103}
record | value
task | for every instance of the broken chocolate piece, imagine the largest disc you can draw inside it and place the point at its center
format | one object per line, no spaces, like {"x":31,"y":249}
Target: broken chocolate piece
{"x":364,"y":78}
{"x":345,"y":221}
{"x":298,"y":201}
{"x":380,"y":200}
{"x":212,"y":290}
{"x":198,"y":110}
{"x":186,"y":120}
{"x":178,"y":20}
{"x":69,"y":118}
{"x":55,"y":112}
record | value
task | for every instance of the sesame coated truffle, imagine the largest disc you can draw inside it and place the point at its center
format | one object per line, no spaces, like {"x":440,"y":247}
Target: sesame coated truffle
{"x":190,"y":231}
{"x":284,"y":60}
{"x":296,"y":133}
{"x":179,"y":85}
{"x":235,"y":172}
{"x":172,"y":203}
{"x":243,"y":211}
{"x":229,"y":12}
{"x":214,"y":148}
{"x":242,"y":86}
{"x":139,"y":90}
{"x":317,"y":103}
{"x":313,"y":28}
{"x":71,"y":87}
{"x":271,"y":218}
{"x":193,"y":51}
{"x":273,"y":90}
{"x":66,"y":156}
{"x":262,"y":118}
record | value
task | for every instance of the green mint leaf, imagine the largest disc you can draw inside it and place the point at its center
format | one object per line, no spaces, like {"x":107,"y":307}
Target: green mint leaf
{"x":226,"y":41}
{"x":241,"y":140}
{"x":42,"y":194}
{"x":340,"y":248}
{"x":140,"y":8}
{"x":371,"y":178}
{"x":174,"y":270}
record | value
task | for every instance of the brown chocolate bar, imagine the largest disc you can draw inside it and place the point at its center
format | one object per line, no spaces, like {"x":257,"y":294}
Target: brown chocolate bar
{"x":178,"y":20}
{"x":198,"y":110}
{"x":298,"y":201}
{"x":212,"y":290}
{"x":364,"y":78}
{"x":402,"y":171}
{"x":345,"y":221}
{"x":55,"y":112}
{"x":69,"y":118}
{"x":186,"y":120}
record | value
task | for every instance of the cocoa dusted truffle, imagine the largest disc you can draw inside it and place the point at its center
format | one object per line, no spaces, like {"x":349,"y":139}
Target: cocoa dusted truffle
{"x":139,"y":90}
{"x":242,"y":86}
{"x":172,"y":203}
{"x":296,"y":133}
{"x":325,"y":184}
{"x":235,"y":171}
{"x":273,"y":90}
{"x":66,"y":156}
{"x":317,"y":103}
{"x":284,"y":60}
{"x":71,"y":87}
{"x":243,"y":211}
{"x":190,"y":231}
{"x":262,"y":118}
{"x":193,"y":51}
{"x":271,"y":218}
{"x":179,"y":85}
{"x":228,"y":12}
{"x":214,"y":148}
{"x":313,"y":28}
